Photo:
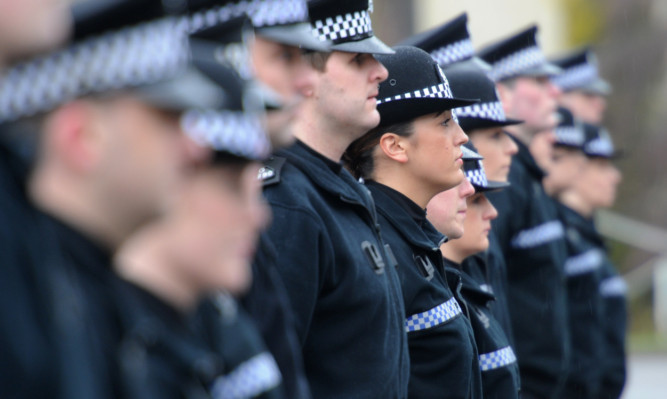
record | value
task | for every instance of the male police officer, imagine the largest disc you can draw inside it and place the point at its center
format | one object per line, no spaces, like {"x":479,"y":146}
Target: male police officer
{"x":531,"y":240}
{"x":343,"y":288}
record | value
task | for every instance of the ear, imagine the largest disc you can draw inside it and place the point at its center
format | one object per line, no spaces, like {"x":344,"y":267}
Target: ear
{"x":394,"y":147}
{"x":72,"y":137}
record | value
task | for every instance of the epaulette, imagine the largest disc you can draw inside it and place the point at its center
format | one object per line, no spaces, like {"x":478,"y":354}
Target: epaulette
{"x":270,"y":173}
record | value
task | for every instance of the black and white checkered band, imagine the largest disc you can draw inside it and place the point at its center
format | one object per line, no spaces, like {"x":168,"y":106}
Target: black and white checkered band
{"x":342,"y":27}
{"x":236,"y":132}
{"x":441,"y":90}
{"x":132,"y":57}
{"x":569,"y":135}
{"x":497,"y":359}
{"x":576,"y":77}
{"x":538,"y":235}
{"x":514,"y":64}
{"x":601,"y":146}
{"x":454,"y":52}
{"x":262,"y":13}
{"x":477,"y":176}
{"x":250,"y":379}
{"x":493,"y":111}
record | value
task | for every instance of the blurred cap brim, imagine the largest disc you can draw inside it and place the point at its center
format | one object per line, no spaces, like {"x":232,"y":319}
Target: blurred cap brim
{"x":371,"y":45}
{"x":297,"y":35}
{"x":544,"y":69}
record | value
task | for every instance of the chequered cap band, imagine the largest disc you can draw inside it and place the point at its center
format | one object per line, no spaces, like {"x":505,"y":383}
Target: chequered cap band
{"x":262,"y":13}
{"x":494,"y":360}
{"x":514,"y":64}
{"x":492,"y":111}
{"x":341,"y":27}
{"x":613,"y":287}
{"x":441,"y":90}
{"x":538,"y":235}
{"x":433,"y":317}
{"x":236,"y":132}
{"x":250,"y":379}
{"x":576,"y":77}
{"x":477,"y":176}
{"x":132,"y":57}
{"x":583,"y":263}
{"x":569,"y":135}
{"x":454,"y":52}
{"x":601,"y":146}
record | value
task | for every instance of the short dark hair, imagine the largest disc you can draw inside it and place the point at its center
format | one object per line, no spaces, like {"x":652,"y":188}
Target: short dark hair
{"x":358,"y":158}
{"x":317,"y":59}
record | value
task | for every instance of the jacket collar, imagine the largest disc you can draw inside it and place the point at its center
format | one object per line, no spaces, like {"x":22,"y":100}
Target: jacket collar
{"x":526,"y":159}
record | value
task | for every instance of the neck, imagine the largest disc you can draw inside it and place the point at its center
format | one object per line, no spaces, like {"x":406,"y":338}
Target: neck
{"x":392,"y":175}
{"x":144,"y":260}
{"x":60,"y":196}
{"x":450,"y":251}
{"x":572,"y":200}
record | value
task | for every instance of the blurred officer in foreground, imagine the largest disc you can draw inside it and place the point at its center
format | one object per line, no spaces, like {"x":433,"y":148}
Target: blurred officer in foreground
{"x":414,"y":154}
{"x":484,"y":123}
{"x":346,"y":298}
{"x":596,"y":292}
{"x":106,"y":115}
{"x":529,"y":232}
{"x":182,"y":268}
{"x":584,"y":92}
{"x":465,"y":215}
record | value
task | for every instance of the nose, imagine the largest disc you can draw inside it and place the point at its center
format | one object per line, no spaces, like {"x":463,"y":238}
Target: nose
{"x":378,"y":72}
{"x":461,"y":136}
{"x":466,"y":189}
{"x":510,"y":146}
{"x":190,"y":152}
{"x":303,"y":77}
{"x":553,"y":90}
{"x":490,"y":211}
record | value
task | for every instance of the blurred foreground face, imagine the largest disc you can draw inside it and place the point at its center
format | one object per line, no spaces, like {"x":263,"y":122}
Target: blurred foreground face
{"x":215,"y":226}
{"x":31,"y":26}
{"x":143,"y":158}
{"x":283,"y":69}
{"x":497,"y":148}
{"x":588,"y":107}
{"x":596,"y":183}
{"x":564,"y":170}
{"x":531,"y":99}
{"x":447,"y":210}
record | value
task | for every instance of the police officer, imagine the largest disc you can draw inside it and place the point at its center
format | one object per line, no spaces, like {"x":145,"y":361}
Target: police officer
{"x":584,"y":91}
{"x":106,"y":165}
{"x":411,"y":156}
{"x":532,"y":241}
{"x":595,"y":292}
{"x":465,"y":215}
{"x":346,"y":298}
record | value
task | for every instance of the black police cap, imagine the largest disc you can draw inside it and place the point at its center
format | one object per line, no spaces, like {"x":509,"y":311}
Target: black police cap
{"x":474,"y":171}
{"x":580,"y":72}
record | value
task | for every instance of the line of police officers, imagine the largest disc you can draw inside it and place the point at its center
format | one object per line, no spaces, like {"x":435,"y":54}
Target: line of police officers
{"x":431,"y":225}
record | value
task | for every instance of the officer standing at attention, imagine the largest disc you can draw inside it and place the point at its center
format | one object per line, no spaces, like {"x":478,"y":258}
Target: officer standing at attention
{"x":105,"y":112}
{"x":584,"y":92}
{"x":414,"y":154}
{"x":343,"y":288}
{"x":532,"y":239}
{"x":464,"y":214}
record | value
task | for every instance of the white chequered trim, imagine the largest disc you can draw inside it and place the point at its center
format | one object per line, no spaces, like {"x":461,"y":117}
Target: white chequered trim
{"x":538,"y":235}
{"x":569,"y":135}
{"x":131,"y":57}
{"x":343,"y":26}
{"x":601,"y":146}
{"x":586,"y":262}
{"x":613,"y":286}
{"x":250,"y":379}
{"x":262,"y":13}
{"x":477,"y":176}
{"x":495,"y":360}
{"x":454,"y":52}
{"x":237,"y":132}
{"x":433,"y":317}
{"x":492,"y":110}
{"x":576,"y":77}
{"x":441,"y":90}
{"x":513,"y":64}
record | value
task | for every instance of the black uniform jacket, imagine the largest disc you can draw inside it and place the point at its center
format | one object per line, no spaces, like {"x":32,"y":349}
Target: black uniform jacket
{"x":213,"y":352}
{"x":583,"y":268}
{"x":490,"y":266}
{"x":268,"y":304}
{"x":500,"y":370}
{"x":346,"y":296}
{"x":443,"y":355}
{"x":531,"y":237}
{"x":598,"y":312}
